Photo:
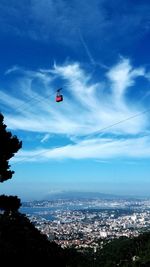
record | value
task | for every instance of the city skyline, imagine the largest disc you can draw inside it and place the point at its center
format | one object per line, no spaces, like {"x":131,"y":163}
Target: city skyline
{"x":97,"y":138}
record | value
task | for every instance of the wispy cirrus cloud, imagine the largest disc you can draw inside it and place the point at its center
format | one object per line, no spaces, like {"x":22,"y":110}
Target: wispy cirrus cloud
{"x":85,"y":117}
{"x":91,"y":149}
{"x":123,"y":75}
{"x":45,"y":138}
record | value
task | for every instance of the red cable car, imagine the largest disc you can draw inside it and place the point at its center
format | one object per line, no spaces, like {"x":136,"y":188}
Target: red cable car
{"x":59,"y":96}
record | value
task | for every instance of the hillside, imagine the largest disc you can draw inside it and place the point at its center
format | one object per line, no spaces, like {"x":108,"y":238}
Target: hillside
{"x":21,"y":242}
{"x":19,"y":239}
{"x":125,"y":252}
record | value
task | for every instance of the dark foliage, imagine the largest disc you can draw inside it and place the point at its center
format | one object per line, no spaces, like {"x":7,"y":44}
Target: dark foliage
{"x":9,"y":145}
{"x":22,"y":243}
{"x":9,"y":203}
{"x":75,"y":258}
{"x":125,"y":252}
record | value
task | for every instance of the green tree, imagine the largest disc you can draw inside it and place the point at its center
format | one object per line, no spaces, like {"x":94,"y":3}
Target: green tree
{"x":9,"y":145}
{"x":9,"y":203}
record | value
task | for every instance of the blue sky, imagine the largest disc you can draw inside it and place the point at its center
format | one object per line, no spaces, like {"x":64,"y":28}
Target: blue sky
{"x":98,"y":138}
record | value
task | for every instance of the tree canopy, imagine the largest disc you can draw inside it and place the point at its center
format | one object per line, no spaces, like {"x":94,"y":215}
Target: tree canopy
{"x":9,"y":145}
{"x":9,"y":203}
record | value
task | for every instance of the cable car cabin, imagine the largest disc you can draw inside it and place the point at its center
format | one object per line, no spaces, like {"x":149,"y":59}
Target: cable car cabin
{"x":59,"y":98}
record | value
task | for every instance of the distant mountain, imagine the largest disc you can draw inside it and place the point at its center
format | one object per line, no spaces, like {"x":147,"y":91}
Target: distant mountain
{"x":82,"y":195}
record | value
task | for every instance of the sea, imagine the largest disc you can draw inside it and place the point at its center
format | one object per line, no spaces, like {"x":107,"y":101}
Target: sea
{"x":48,"y":213}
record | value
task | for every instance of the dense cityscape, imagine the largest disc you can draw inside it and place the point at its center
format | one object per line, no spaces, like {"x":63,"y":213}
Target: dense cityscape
{"x":88,"y":223}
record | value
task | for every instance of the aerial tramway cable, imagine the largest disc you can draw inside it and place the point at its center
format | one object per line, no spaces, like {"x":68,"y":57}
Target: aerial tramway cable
{"x":119,"y":122}
{"x":35,"y":99}
{"x":99,"y":131}
{"x":59,"y":98}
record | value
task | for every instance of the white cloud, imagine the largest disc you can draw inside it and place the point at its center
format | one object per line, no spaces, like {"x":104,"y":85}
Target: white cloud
{"x":88,"y":114}
{"x":12,"y":69}
{"x":45,"y":138}
{"x":123,"y":75}
{"x":101,"y":149}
